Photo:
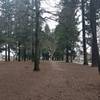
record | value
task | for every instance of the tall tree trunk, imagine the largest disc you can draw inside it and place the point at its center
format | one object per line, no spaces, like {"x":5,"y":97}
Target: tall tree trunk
{"x":16,"y":56}
{"x":71,"y":56}
{"x":67,"y":56}
{"x":32,"y":55}
{"x":19,"y":52}
{"x":36,"y":60}
{"x":24,"y":52}
{"x":95,"y":50}
{"x":8,"y":52}
{"x":71,"y":59}
{"x":84,"y":35}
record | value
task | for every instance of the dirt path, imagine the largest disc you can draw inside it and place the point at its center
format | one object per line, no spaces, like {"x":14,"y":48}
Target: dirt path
{"x":55,"y":81}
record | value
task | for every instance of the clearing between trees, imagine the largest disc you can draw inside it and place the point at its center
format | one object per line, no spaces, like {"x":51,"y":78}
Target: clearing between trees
{"x":55,"y":81}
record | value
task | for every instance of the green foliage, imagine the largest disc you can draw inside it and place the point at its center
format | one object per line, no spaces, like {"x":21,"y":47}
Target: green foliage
{"x":66,"y":32}
{"x":47,"y":40}
{"x":17,"y":23}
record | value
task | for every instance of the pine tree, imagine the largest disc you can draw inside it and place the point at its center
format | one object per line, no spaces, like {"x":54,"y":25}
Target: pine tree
{"x":95,"y":51}
{"x":66,"y":32}
{"x":37,"y":28}
{"x":84,"y":33}
{"x":7,"y":14}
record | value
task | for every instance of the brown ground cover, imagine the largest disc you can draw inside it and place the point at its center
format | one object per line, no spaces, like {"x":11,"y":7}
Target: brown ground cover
{"x":55,"y":81}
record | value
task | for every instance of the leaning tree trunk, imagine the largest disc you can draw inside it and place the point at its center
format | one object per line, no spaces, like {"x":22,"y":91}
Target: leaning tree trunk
{"x":36,"y":55}
{"x":84,"y":35}
{"x":95,"y":51}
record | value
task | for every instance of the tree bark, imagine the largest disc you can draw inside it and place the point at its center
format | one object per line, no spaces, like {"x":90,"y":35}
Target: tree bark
{"x":84,"y":35}
{"x":67,"y":56}
{"x":32,"y":55}
{"x":24,"y":52}
{"x":36,"y":60}
{"x":71,"y":57}
{"x":19,"y":52}
{"x":8,"y":52}
{"x":95,"y":50}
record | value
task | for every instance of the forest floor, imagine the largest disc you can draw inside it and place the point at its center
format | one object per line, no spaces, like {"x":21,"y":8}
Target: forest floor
{"x":54,"y":81}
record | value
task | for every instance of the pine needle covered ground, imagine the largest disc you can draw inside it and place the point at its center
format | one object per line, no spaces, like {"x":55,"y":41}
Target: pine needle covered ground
{"x":55,"y":81}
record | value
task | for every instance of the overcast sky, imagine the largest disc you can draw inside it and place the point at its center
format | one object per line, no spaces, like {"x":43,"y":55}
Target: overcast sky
{"x":49,"y":5}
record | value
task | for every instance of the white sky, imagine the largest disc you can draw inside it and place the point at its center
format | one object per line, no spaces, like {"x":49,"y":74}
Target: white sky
{"x":49,"y":5}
